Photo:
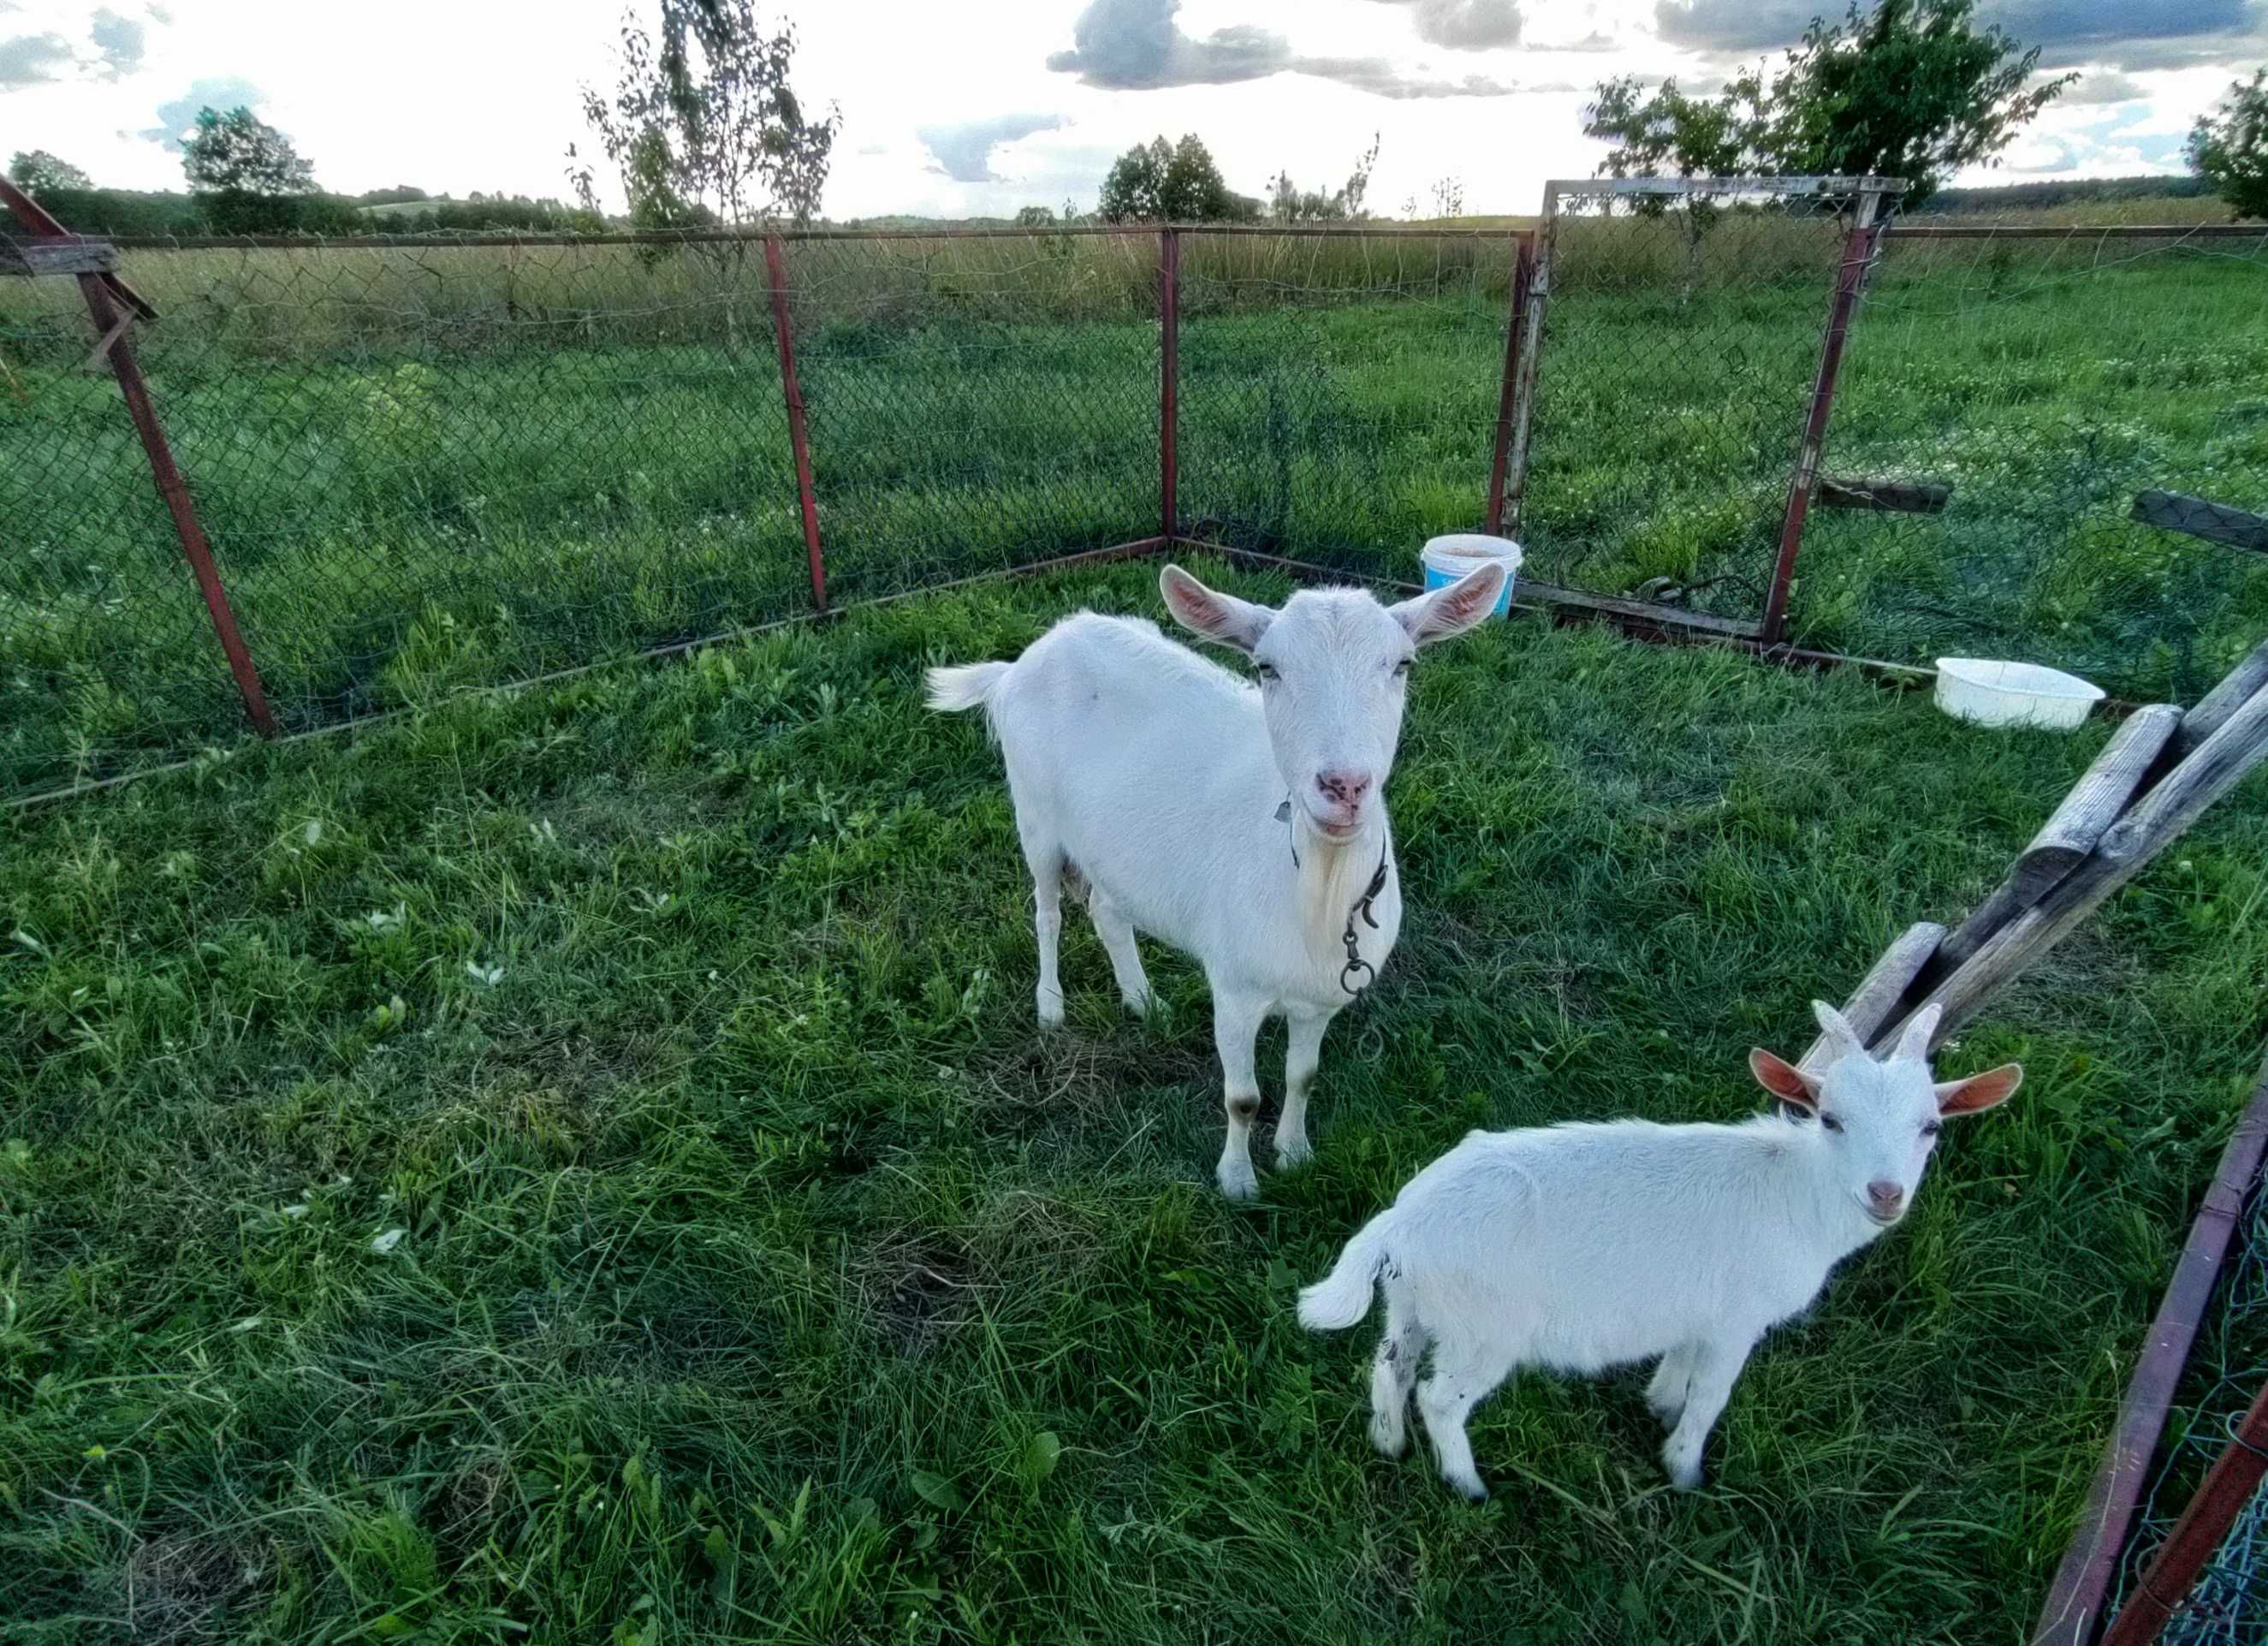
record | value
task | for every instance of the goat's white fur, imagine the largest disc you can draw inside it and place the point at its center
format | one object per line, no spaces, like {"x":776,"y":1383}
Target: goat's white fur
{"x":1584,"y":1247}
{"x":1156,"y":777}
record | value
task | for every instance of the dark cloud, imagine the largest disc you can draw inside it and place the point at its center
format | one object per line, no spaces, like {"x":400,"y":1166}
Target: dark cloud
{"x":118,"y":40}
{"x":29,"y":59}
{"x":178,"y":116}
{"x":964,"y":152}
{"x":1466,"y":24}
{"x":1136,"y":45}
{"x":2125,"y":34}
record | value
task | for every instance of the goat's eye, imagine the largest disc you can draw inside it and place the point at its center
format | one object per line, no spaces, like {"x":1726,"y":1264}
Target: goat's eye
{"x":1266,"y":671}
{"x":1403,"y":668}
{"x":1931,"y":1128}
{"x":1831,"y":1122}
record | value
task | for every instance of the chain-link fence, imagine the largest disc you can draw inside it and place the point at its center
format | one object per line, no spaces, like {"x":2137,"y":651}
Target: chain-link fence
{"x":425,"y":464}
{"x":2009,"y":393}
{"x":1339,"y":394}
{"x":2229,"y":1607}
{"x":1682,"y":327}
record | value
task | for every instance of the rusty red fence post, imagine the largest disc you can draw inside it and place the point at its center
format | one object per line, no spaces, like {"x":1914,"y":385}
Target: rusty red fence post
{"x":1510,"y":401}
{"x":99,"y":290}
{"x":1859,"y":244}
{"x":807,"y":499}
{"x":2220,"y":1497}
{"x":1169,"y":383}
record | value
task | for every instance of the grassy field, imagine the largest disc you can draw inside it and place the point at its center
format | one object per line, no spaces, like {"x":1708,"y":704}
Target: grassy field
{"x":579,"y":1167}
{"x":471,"y":465}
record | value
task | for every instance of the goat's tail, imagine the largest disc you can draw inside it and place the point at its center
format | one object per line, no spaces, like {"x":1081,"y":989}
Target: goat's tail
{"x":965,"y":686}
{"x":1343,"y":1296}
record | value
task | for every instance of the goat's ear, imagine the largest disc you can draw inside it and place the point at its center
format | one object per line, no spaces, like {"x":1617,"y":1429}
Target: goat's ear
{"x":1783,"y":1080}
{"x":1211,"y":614}
{"x":1979,"y":1092}
{"x":1446,"y":612}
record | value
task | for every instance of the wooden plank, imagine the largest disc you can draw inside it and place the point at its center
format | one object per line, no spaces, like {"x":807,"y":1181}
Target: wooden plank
{"x":2236,"y":689}
{"x":57,"y":257}
{"x":2153,"y":823}
{"x":2072,"y":830}
{"x":2215,"y":522}
{"x":1877,"y":996}
{"x":1888,"y":497}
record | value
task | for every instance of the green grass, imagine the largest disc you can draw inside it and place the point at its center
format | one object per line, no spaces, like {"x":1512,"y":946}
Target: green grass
{"x":763,"y":1276}
{"x":513,"y":461}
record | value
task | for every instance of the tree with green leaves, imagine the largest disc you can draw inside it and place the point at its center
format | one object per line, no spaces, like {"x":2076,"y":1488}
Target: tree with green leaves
{"x":1163,"y":182}
{"x":1036,"y":218}
{"x":1914,"y":89}
{"x":238,"y":153}
{"x":2228,"y":148}
{"x":39,"y":172}
{"x":1287,"y":202}
{"x":703,"y":125}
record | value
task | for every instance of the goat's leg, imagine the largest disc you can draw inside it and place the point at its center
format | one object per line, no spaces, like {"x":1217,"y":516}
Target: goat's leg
{"x":1303,"y":1051}
{"x":1716,"y":1365}
{"x":1045,"y":858}
{"x":1459,"y":1381}
{"x":1393,"y":1374}
{"x":1666,"y":1394}
{"x":1117,"y":935}
{"x":1236,"y":1020}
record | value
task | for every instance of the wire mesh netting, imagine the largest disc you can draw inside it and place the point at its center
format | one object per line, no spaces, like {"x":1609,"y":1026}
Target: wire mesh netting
{"x":2229,"y":1604}
{"x":1338,"y":393}
{"x":1681,"y":341}
{"x":420,"y":469}
{"x":2045,"y":380}
{"x":976,"y":403}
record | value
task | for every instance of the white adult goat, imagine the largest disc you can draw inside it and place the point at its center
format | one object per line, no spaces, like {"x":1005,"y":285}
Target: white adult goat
{"x":1166,"y":783}
{"x":1583,"y":1247}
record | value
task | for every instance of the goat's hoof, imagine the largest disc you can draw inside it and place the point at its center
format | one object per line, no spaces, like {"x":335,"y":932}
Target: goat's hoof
{"x":1051,"y":1011}
{"x":1238,"y":1182}
{"x":1390,"y":1443}
{"x":1470,"y":1488}
{"x":1293,"y":1151}
{"x":1685,"y":1476}
{"x":1139,"y":1005}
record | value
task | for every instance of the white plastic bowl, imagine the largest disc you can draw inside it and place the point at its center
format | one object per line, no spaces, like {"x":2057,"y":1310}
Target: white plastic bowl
{"x":1449,"y":557}
{"x":1992,"y":692}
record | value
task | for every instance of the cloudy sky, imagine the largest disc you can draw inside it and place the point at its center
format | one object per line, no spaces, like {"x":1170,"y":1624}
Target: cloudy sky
{"x":957,"y":110}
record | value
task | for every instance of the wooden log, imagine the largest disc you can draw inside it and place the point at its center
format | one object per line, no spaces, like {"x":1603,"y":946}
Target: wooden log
{"x":2153,"y":823}
{"x":1888,"y":497}
{"x":57,"y":257}
{"x":1877,"y":998}
{"x":2070,"y":831}
{"x":2215,"y":522}
{"x":2236,"y":689}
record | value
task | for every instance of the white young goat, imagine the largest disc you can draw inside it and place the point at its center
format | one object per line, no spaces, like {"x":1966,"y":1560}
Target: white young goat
{"x":1243,"y":823}
{"x":1582,"y":1247}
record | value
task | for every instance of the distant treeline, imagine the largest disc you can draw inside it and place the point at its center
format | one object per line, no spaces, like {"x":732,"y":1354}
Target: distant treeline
{"x":2070,"y":192}
{"x":402,"y":210}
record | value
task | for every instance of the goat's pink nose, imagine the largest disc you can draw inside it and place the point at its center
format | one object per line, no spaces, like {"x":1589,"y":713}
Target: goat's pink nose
{"x":1346,"y":788}
{"x":1887,"y":1196}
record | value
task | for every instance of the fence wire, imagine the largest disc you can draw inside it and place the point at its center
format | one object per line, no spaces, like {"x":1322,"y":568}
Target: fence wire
{"x":1681,"y":344}
{"x":1338,"y":396}
{"x":976,"y":403}
{"x":2229,"y":1604}
{"x":2047,"y":380}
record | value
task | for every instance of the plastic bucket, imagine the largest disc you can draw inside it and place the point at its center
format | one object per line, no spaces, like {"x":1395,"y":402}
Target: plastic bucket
{"x":1447,"y":558}
{"x":1992,"y":692}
